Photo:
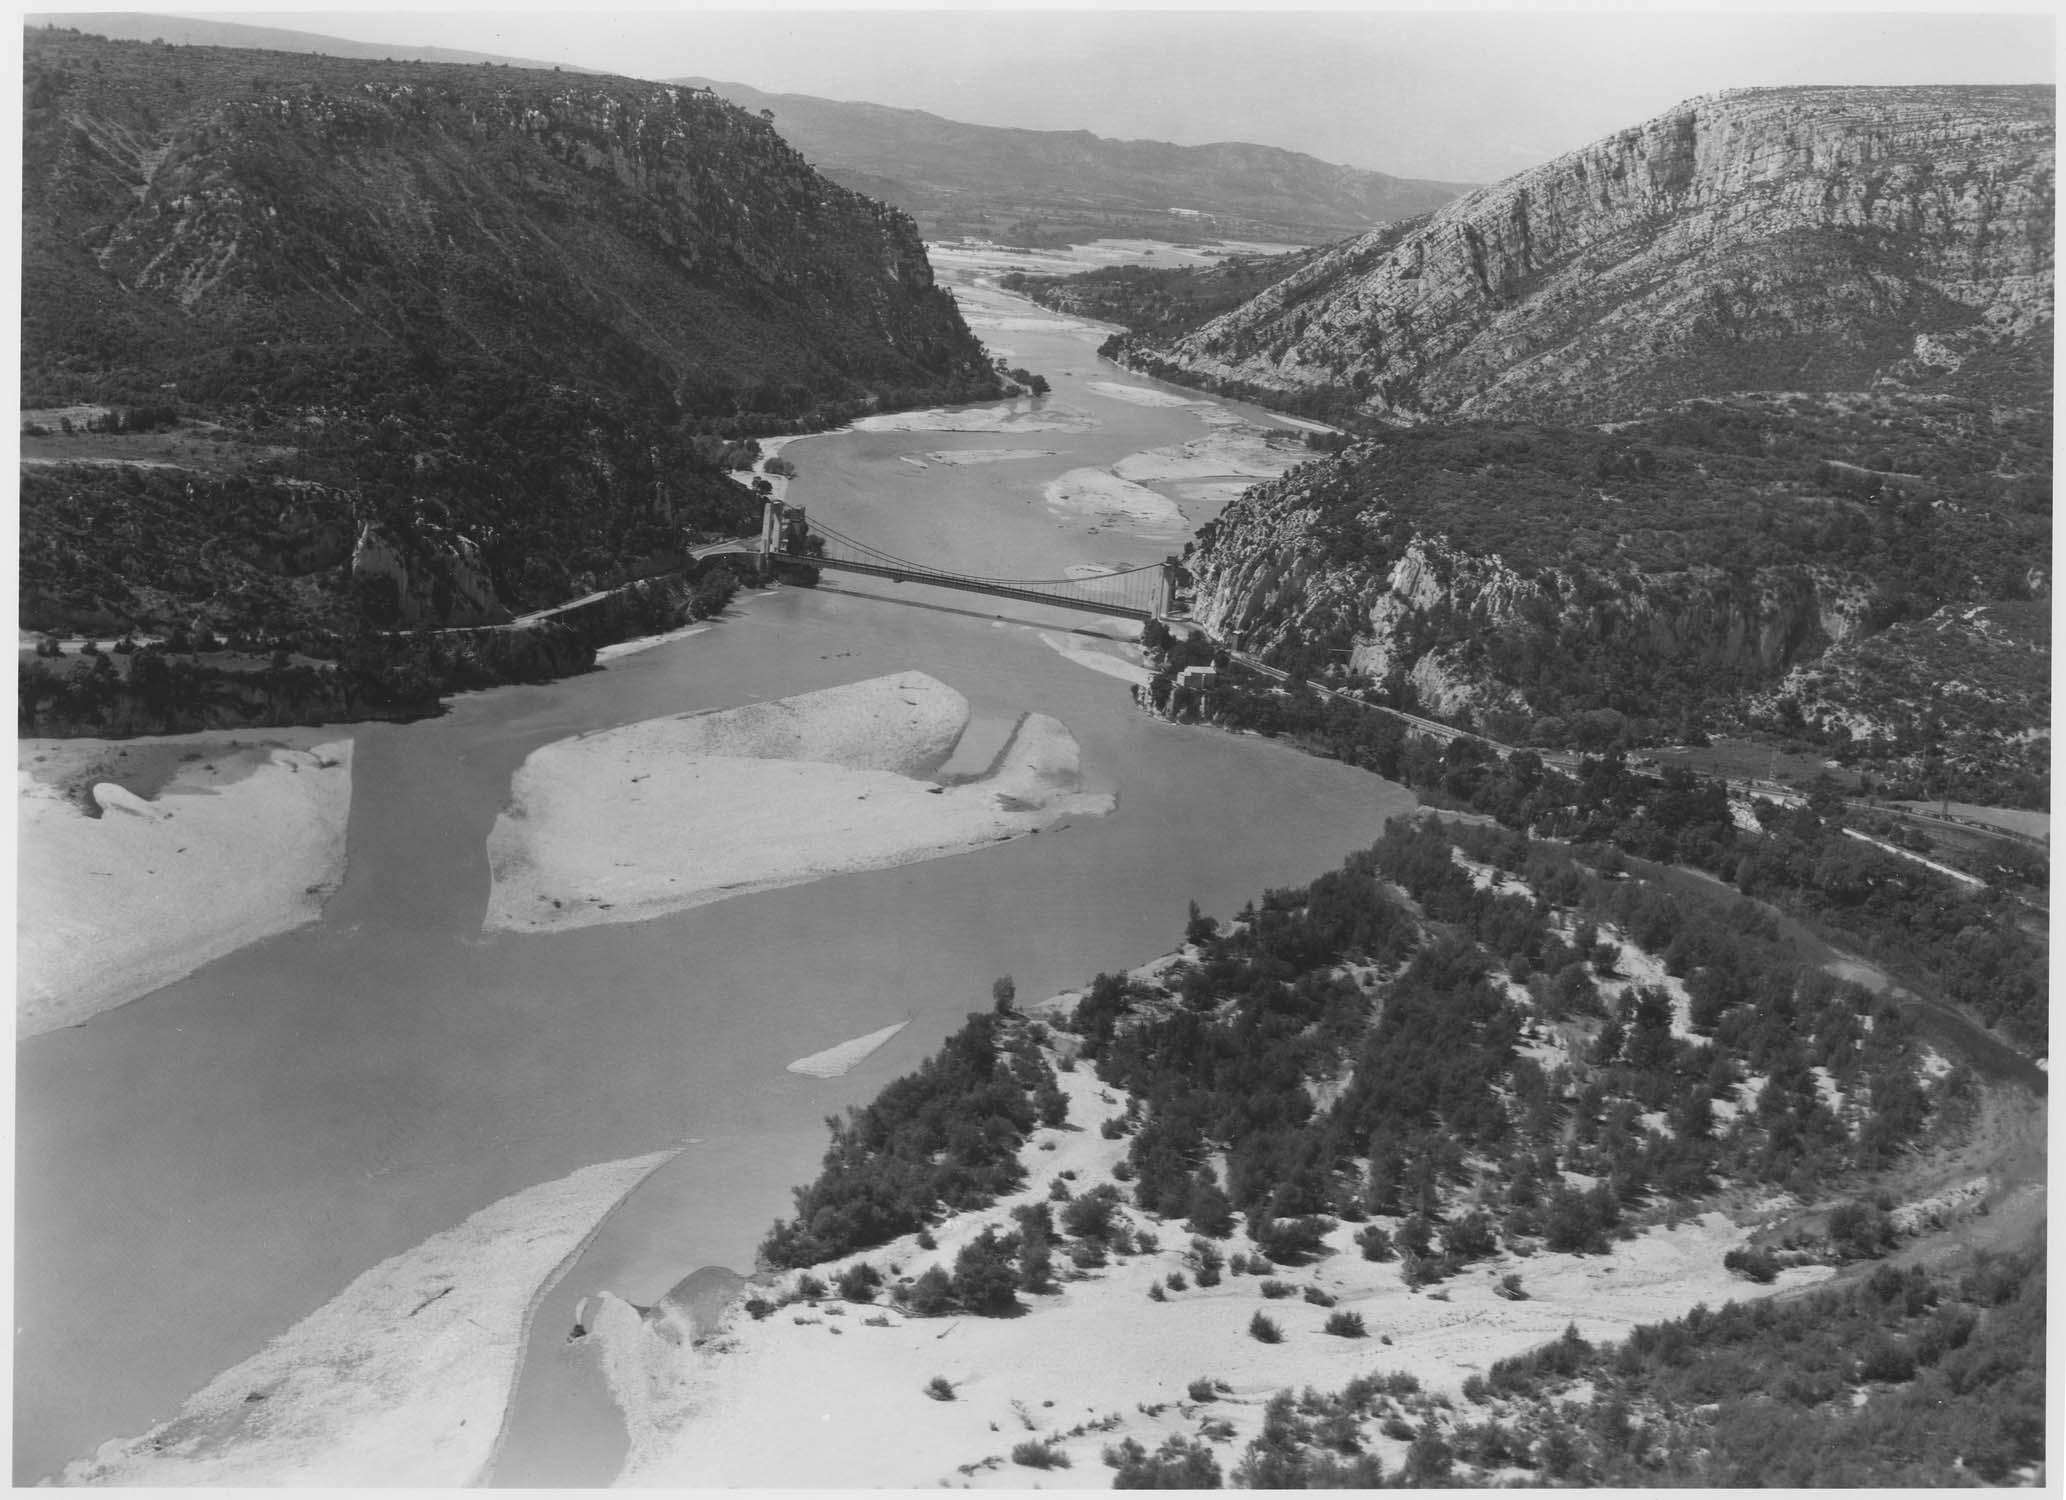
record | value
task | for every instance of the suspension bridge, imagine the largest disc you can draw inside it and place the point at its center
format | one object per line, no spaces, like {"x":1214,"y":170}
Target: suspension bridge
{"x":1145,"y":593}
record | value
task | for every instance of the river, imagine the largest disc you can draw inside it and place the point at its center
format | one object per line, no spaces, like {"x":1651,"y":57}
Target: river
{"x":203,"y":1167}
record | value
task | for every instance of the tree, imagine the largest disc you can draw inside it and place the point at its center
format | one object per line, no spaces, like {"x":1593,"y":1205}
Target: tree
{"x":985,"y":1281}
{"x":1003,"y":993}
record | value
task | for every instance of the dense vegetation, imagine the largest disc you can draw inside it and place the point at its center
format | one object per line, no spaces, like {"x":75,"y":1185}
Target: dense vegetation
{"x":515,"y":307}
{"x":1160,"y":300}
{"x":1899,"y":1379}
{"x":943,"y":1138}
{"x":1968,"y":945}
{"x":195,"y":679}
{"x":1480,"y":1038}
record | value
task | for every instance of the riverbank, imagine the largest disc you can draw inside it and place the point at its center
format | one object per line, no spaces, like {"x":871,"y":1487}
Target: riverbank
{"x":827,"y":1392}
{"x":143,"y":860}
{"x":402,"y":1378}
{"x":673,"y":813}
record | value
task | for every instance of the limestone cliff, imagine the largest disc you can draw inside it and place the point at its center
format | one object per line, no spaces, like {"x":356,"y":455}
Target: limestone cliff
{"x":1453,"y":632}
{"x":1776,"y":239}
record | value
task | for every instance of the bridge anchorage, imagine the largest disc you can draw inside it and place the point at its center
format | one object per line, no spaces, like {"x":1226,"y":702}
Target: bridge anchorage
{"x":1145,"y":593}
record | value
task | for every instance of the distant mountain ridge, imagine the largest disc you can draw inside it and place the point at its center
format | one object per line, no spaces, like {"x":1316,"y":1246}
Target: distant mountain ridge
{"x":1042,"y":185}
{"x":186,"y":31}
{"x":1798,"y":238}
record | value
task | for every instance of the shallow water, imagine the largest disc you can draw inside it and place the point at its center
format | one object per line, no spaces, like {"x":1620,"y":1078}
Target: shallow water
{"x":198,"y":1170}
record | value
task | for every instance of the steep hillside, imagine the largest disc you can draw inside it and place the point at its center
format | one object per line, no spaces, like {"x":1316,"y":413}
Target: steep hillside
{"x":1069,"y":186}
{"x":498,"y":315}
{"x":1561,"y":586}
{"x":1776,"y":239}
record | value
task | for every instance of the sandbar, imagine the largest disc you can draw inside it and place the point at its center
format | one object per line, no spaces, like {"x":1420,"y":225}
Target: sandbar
{"x":1023,"y":415}
{"x":837,"y":1062}
{"x":190,"y":859}
{"x":672,"y":813}
{"x":961,"y":456}
{"x":1102,"y":496}
{"x":1224,"y":453}
{"x":403,"y":1377}
{"x":1084,"y":654}
{"x":1141,"y":395}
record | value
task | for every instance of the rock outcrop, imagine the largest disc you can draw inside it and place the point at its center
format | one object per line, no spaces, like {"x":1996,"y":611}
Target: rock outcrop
{"x":1777,"y":239}
{"x":1459,"y":632}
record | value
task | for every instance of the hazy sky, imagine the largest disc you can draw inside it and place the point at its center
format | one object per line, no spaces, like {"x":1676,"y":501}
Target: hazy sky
{"x":1466,"y":95}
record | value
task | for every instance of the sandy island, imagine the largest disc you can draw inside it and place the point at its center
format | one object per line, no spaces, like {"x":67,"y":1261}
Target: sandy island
{"x":402,"y":1378}
{"x":201,"y":844}
{"x":660,"y":816}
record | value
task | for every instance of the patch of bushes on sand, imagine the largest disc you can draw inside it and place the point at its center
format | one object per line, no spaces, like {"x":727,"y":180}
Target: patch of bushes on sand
{"x":936,"y":1141}
{"x":1037,"y":1454}
{"x":1181,"y":1463}
{"x":1906,"y":1378}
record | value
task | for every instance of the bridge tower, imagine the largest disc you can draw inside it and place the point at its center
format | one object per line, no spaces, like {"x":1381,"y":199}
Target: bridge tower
{"x":1165,"y":590}
{"x":770,"y":532}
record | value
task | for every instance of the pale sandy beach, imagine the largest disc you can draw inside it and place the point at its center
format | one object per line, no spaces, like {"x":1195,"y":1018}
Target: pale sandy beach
{"x":232,"y":839}
{"x":664,"y":815}
{"x":402,"y":1378}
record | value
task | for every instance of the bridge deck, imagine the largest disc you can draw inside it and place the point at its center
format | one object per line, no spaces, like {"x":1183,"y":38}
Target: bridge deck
{"x":977,"y":586}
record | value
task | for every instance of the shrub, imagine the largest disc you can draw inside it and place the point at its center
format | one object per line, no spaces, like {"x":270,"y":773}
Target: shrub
{"x":1276,"y":1289}
{"x":1263,"y":1331}
{"x":1155,"y":1292}
{"x":809,"y":1288}
{"x":1202,"y":1389}
{"x":1510,"y":1287}
{"x":985,"y":1281}
{"x":1177,"y":1282}
{"x":759,"y":1307}
{"x":1319,"y":1298}
{"x":926,"y":1240}
{"x":1181,"y":1463}
{"x":1292,"y":1241}
{"x":859,"y":1282}
{"x":1753,"y":1261}
{"x":1375,"y":1243}
{"x":1345,"y":1325}
{"x":932,"y":1294}
{"x":1039,"y":1455}
{"x":940,"y":1388}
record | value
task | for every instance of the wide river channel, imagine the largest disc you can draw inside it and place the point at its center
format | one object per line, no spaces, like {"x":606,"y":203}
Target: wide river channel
{"x":198,"y":1170}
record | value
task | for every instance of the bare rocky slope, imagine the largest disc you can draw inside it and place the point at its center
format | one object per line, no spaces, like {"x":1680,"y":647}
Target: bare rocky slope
{"x":1779,"y":239}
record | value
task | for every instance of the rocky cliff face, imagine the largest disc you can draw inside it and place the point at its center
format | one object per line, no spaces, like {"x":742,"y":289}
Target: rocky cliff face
{"x":1810,"y":238}
{"x":1452,"y":632}
{"x":442,"y":583}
